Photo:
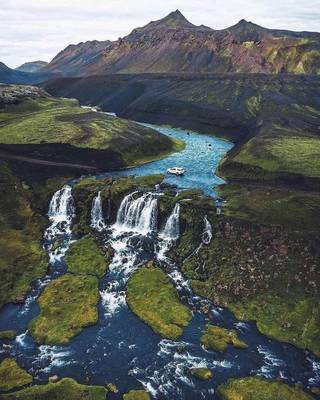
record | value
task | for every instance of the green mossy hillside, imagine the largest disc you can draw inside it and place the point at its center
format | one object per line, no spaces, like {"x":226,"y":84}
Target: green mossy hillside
{"x":60,"y":120}
{"x":260,"y":271}
{"x":22,"y":258}
{"x":153,"y":298}
{"x":137,"y":395}
{"x":85,"y":257}
{"x":59,"y":130}
{"x":12,"y":375}
{"x":255,"y":388}
{"x":290,"y":208}
{"x":292,"y":317}
{"x":66,"y":389}
{"x":217,"y":339}
{"x":203,"y":374}
{"x":67,"y":305}
{"x":285,"y":149}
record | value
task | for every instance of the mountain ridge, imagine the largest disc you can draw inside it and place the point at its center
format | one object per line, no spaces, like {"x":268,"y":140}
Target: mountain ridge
{"x":173,"y":44}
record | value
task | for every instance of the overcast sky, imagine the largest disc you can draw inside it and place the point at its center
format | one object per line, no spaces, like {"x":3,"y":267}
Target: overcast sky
{"x":38,"y":29}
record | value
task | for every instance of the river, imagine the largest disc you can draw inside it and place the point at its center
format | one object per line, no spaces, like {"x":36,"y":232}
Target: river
{"x":120,"y":348}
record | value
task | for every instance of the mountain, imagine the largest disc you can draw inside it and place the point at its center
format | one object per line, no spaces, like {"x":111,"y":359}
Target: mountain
{"x":33,"y":66}
{"x":173,"y":44}
{"x":9,"y":75}
{"x":77,"y":57}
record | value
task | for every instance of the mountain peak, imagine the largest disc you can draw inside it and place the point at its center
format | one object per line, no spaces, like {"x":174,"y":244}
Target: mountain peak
{"x":175,"y":18}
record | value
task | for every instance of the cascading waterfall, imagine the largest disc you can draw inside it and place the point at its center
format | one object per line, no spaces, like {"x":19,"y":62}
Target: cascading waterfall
{"x":136,"y":220}
{"x":61,"y":214}
{"x":171,"y":230}
{"x":169,"y":234}
{"x":97,"y":220}
{"x":206,"y":236}
{"x":137,"y":214}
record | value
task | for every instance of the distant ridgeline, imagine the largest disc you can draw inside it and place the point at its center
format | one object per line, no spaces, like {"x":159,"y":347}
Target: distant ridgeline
{"x":174,"y":45}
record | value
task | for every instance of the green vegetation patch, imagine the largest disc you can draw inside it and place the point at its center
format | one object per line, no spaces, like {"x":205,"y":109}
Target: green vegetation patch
{"x":66,"y":389}
{"x":149,"y":181}
{"x":294,"y":209}
{"x":136,"y":395}
{"x":12,"y":375}
{"x":22,"y":258}
{"x":67,"y":305}
{"x":262,"y":272}
{"x":85,"y":257}
{"x":10,"y":335}
{"x":50,"y":120}
{"x":253,"y":388}
{"x":153,"y":298}
{"x":203,"y":374}
{"x":217,"y":339}
{"x":277,"y":155}
{"x":293,"y":318}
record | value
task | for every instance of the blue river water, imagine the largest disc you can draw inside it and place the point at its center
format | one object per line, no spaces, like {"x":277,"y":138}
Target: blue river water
{"x":200,"y":158}
{"x":120,"y":348}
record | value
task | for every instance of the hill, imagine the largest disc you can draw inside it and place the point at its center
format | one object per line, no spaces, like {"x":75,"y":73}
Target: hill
{"x":56,"y":133}
{"x":274,"y":120}
{"x":9,"y":75}
{"x":33,"y":66}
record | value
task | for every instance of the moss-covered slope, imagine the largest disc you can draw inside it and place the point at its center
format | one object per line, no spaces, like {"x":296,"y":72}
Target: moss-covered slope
{"x":49,"y":130}
{"x":22,"y":259}
{"x":261,"y":271}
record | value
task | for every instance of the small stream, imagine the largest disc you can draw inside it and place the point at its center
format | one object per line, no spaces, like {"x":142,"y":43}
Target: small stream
{"x":120,"y":348}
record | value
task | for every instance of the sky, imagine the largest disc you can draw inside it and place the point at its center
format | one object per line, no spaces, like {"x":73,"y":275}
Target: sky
{"x":38,"y":29}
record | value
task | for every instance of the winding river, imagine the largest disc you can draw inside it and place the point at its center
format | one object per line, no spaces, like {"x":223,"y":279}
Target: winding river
{"x":120,"y":348}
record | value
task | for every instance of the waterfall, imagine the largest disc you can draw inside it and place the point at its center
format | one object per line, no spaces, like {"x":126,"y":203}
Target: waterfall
{"x":207,"y":231}
{"x":137,"y":214}
{"x":171,"y":229}
{"x":61,"y":213}
{"x":169,"y":234}
{"x":97,"y":220}
{"x":61,"y":208}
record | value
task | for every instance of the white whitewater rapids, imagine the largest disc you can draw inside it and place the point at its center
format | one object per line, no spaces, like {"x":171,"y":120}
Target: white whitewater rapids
{"x":136,"y":224}
{"x":136,"y":221}
{"x":169,"y":234}
{"x":61,"y":214}
{"x":138,"y":214}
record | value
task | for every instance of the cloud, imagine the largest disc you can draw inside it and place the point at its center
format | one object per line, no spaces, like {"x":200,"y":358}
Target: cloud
{"x":31,"y":29}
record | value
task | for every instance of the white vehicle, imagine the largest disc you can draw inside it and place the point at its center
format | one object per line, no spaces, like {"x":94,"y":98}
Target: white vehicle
{"x":176,"y":171}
